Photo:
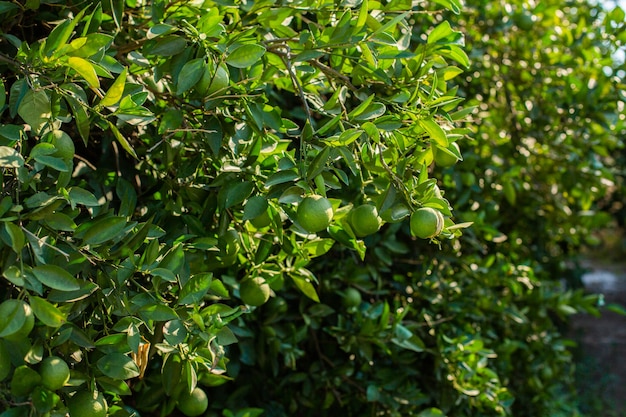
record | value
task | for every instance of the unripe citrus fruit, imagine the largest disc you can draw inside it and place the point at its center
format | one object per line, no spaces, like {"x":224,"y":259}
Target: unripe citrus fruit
{"x":364,"y":220}
{"x":21,"y":319}
{"x":54,"y":373}
{"x":5,"y":362}
{"x":444,"y":159}
{"x":64,"y":145}
{"x":426,"y":222}
{"x":87,"y":403}
{"x":351,"y":298}
{"x":193,"y":404}
{"x":254,"y":291}
{"x":261,"y":221}
{"x":315,"y":213}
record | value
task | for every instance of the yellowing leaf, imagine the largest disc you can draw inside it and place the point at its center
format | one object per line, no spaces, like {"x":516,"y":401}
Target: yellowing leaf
{"x":85,"y":69}
{"x":114,"y":94}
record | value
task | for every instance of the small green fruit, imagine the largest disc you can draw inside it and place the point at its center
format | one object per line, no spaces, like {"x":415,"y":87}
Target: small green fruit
{"x":445,"y":159}
{"x":351,"y":298}
{"x":254,"y":291}
{"x":426,"y":222}
{"x":193,"y":404}
{"x":315,"y":213}
{"x":365,"y":220}
{"x":54,"y":373}
{"x":87,"y":403}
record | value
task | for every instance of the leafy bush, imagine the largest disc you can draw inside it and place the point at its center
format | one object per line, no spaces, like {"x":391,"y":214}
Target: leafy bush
{"x":155,"y":156}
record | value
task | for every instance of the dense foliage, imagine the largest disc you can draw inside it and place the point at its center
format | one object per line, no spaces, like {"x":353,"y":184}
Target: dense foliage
{"x":208,"y":204}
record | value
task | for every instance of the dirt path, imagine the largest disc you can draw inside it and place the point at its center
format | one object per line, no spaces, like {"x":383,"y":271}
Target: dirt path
{"x":602,"y":364}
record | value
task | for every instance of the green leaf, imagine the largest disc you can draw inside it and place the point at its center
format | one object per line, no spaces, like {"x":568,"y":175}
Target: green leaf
{"x":13,"y":236}
{"x":3,"y":94}
{"x":13,"y":317}
{"x":166,"y":46}
{"x":83,"y":197}
{"x":122,"y":140}
{"x":7,"y":6}
{"x":104,"y":230}
{"x":157,"y":312}
{"x":80,"y":116}
{"x":245,"y":55}
{"x":195,"y":289}
{"x":255,"y":207}
{"x":190,"y":74}
{"x":88,"y":46}
{"x":12,"y":132}
{"x":281,"y":177}
{"x":128,"y":197}
{"x":318,"y":247}
{"x":118,"y":366}
{"x":61,"y":34}
{"x":372,"y":111}
{"x":302,"y":279}
{"x":171,"y":372}
{"x":237,"y":193}
{"x":361,"y":108}
{"x":442,"y":31}
{"x":54,"y":276}
{"x":35,"y":109}
{"x":164,"y":274}
{"x":85,"y":69}
{"x":455,"y":7}
{"x":431,"y":412}
{"x":114,"y":94}
{"x":55,"y":163}
{"x":10,"y":158}
{"x":407,"y":340}
{"x":175,"y":332}
{"x":318,"y":164}
{"x":47,"y":313}
{"x":14,"y":275}
{"x":435,"y":131}
{"x":87,"y":288}
{"x":160,"y":30}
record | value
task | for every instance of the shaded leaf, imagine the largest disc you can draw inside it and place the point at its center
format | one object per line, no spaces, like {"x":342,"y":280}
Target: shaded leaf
{"x":245,"y":55}
{"x":47,"y":313}
{"x":54,"y":276}
{"x":118,"y":366}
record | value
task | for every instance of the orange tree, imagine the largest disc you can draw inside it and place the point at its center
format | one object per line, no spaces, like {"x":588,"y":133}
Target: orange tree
{"x":160,"y":157}
{"x":208,"y":206}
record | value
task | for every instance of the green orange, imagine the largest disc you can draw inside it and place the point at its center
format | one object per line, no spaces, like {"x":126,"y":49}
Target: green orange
{"x":447,"y":158}
{"x":87,"y":403}
{"x":262,"y":220}
{"x":315,"y":213}
{"x":365,"y":220}
{"x":192,"y":404}
{"x":426,"y":222}
{"x":254,"y":291}
{"x":351,"y":298}
{"x":54,"y":373}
